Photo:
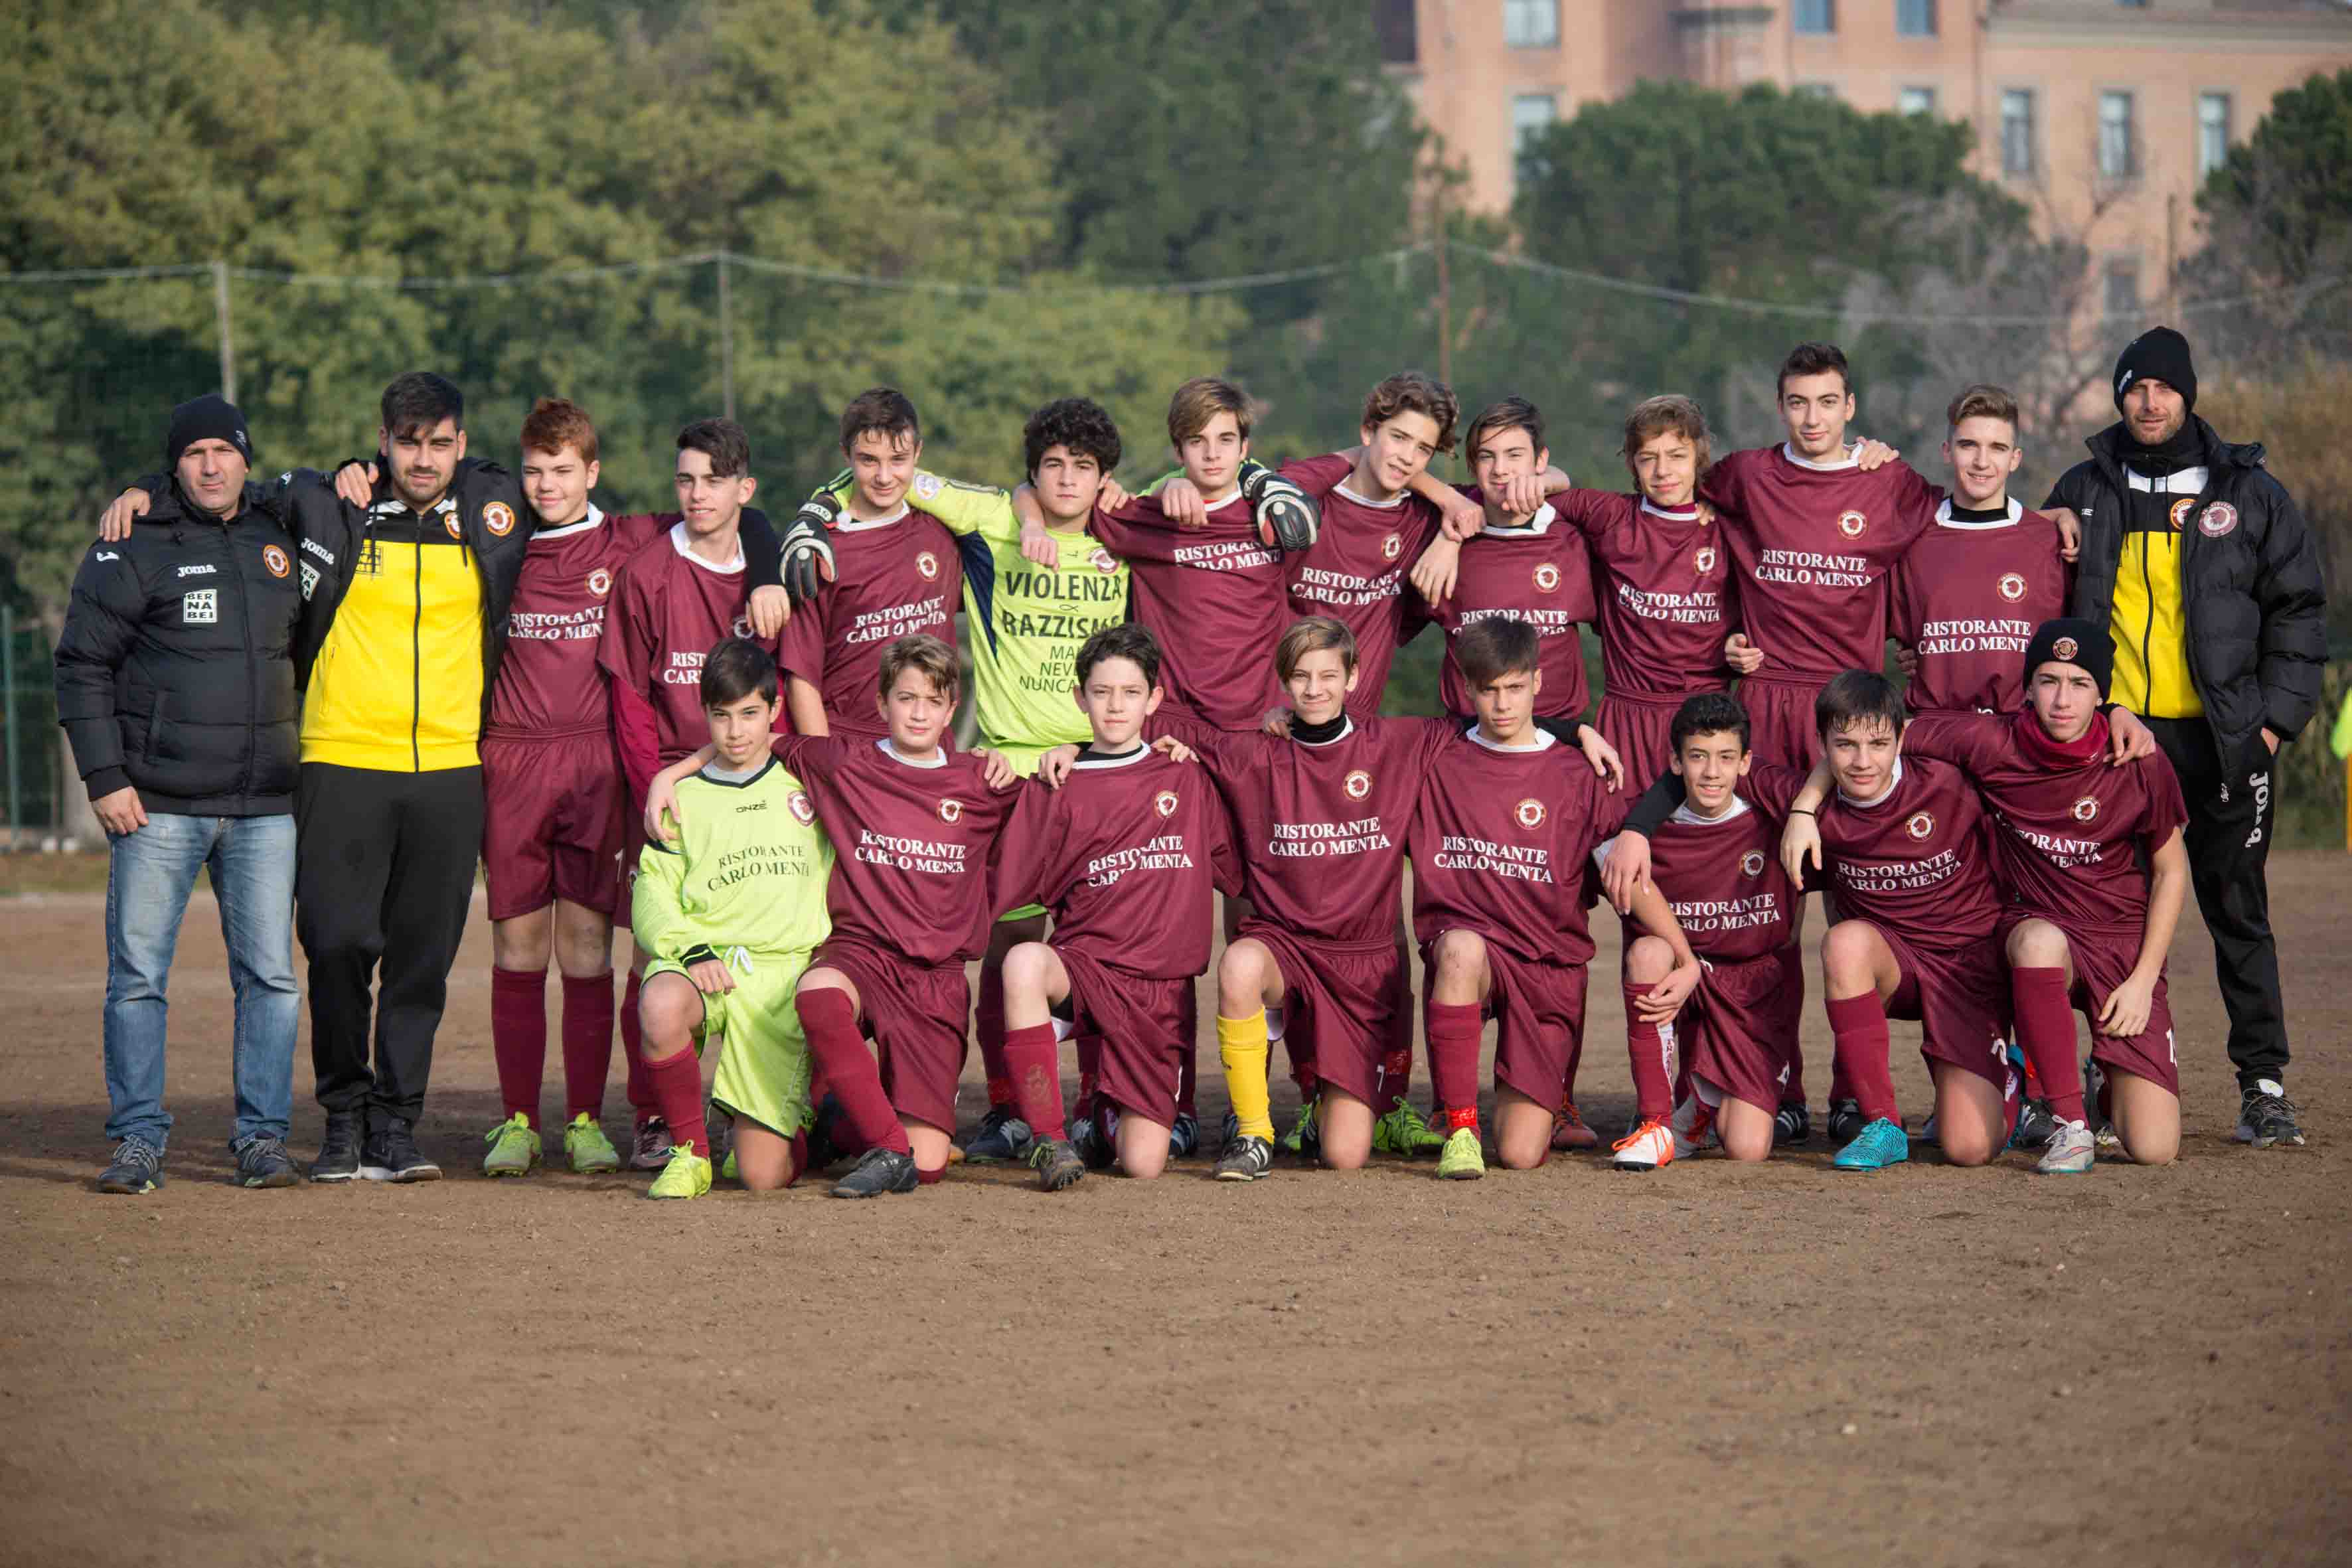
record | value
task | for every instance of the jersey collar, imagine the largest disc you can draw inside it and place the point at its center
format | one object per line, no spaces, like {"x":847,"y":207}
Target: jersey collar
{"x":1690,"y":514}
{"x":896,"y":756}
{"x":1685,"y":817}
{"x":1362,"y":499}
{"x":1943,"y":518}
{"x":1843,"y":463}
{"x":1545,"y":741}
{"x":848,"y":524}
{"x":678,"y":539}
{"x":1141,"y":754}
{"x":1894,"y":782}
{"x":594,"y":520}
{"x":1540,"y":523}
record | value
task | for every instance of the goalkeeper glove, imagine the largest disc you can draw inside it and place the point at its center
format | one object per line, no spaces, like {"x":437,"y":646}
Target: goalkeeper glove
{"x":1286,"y":516}
{"x":807,"y":549}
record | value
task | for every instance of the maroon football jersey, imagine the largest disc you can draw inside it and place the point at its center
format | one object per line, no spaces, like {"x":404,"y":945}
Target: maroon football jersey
{"x":1356,"y":571}
{"x":913,"y":843}
{"x":1216,"y":599}
{"x":1724,"y":877}
{"x":1540,"y":573}
{"x":1659,"y":580}
{"x":2072,"y":833}
{"x":1913,"y":860}
{"x":1126,"y":854}
{"x":1968,"y":597}
{"x":1501,"y":846}
{"x":548,"y":682}
{"x":671,"y":607}
{"x":1321,"y":829}
{"x":1811,"y":545}
{"x":892,"y":578}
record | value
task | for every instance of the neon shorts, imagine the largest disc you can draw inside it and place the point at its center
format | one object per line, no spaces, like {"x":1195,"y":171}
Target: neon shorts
{"x":764,"y":1064}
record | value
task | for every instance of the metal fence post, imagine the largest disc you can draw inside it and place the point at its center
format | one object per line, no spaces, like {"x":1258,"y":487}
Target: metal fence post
{"x":8,"y":686}
{"x":227,"y":342}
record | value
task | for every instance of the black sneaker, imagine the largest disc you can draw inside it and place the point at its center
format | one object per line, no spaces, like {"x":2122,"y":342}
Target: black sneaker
{"x":262,"y":1162}
{"x":2035,"y":1126}
{"x":1846,"y":1122}
{"x":392,"y":1155}
{"x":2266,"y":1116}
{"x":1249,"y":1158}
{"x":1792,"y":1123}
{"x":339,"y":1150}
{"x":1003,"y":1137}
{"x":1056,"y":1163}
{"x":651,"y":1150}
{"x":138,"y":1167}
{"x":881,"y":1171}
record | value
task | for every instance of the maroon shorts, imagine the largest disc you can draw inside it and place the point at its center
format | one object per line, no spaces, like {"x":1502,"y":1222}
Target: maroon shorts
{"x":1538,"y":1013}
{"x":633,"y":849}
{"x":1141,"y":1023}
{"x":1338,"y":1003}
{"x":1641,"y":728}
{"x":2100,"y":963}
{"x":1738,"y":1027}
{"x":1781,"y":731}
{"x":915,"y":1017}
{"x":1960,"y":998}
{"x":551,"y":822}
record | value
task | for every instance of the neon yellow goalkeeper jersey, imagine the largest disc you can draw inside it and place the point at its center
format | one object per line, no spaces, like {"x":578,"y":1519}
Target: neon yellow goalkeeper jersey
{"x":1026,"y":622}
{"x":749,"y":869}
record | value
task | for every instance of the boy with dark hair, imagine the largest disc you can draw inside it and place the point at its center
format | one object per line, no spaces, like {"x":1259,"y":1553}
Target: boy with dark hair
{"x":895,"y":572}
{"x":1967,"y":596}
{"x":731,"y":908}
{"x":910,"y":900}
{"x":1126,"y":854}
{"x":1499,"y":842}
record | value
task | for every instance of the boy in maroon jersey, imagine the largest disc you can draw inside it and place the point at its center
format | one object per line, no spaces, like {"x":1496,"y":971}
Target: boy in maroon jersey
{"x":676,"y":597}
{"x":1715,"y":860}
{"x":914,"y":826}
{"x":2091,"y":856}
{"x":1971,"y":592}
{"x":1917,"y":936}
{"x":1499,"y":845}
{"x":896,"y":572}
{"x":1126,"y":855}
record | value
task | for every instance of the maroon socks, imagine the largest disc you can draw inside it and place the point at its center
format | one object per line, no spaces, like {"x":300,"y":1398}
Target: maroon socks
{"x":2046,"y":1029}
{"x":1654,"y":1068}
{"x":1858,"y":1023}
{"x":518,"y":1037}
{"x":1033,"y":1060}
{"x":1454,"y":1033}
{"x":587,"y":1044}
{"x":840,"y":1055}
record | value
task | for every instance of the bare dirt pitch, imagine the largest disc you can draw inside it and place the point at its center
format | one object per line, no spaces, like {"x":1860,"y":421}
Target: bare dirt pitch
{"x":1709,"y":1365}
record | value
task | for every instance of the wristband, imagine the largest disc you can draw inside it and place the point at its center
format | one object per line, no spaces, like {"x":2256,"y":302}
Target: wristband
{"x":699,"y":952}
{"x":1800,"y":811}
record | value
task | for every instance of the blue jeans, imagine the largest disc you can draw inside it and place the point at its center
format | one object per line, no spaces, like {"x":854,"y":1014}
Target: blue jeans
{"x":147,"y":881}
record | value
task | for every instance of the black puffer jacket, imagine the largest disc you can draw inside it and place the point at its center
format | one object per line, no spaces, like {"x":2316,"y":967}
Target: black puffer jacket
{"x":2257,"y":613}
{"x":176,"y":670}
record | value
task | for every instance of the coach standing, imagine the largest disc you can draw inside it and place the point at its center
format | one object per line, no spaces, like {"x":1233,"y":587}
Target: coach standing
{"x":175,"y":686}
{"x":2197,"y":562}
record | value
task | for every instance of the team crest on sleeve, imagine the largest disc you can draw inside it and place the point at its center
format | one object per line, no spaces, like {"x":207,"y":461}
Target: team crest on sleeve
{"x":1922,"y":823}
{"x":1528,"y":813}
{"x":929,"y":566}
{"x":1752,"y":863}
{"x":2013,"y":587}
{"x":1358,"y":784}
{"x":927,"y":486}
{"x":2180,"y":510}
{"x":498,"y":518}
{"x":2219,"y":519}
{"x":1546,"y":578}
{"x":950,"y":809}
{"x":2083,"y":809}
{"x":803,"y":809}
{"x":1850,"y":523}
{"x":2064,"y":649}
{"x":1103,"y":559}
{"x":1705,"y":559}
{"x":1165,"y":802}
{"x":1392,"y":547}
{"x":600,"y":582}
{"x":276,"y":559}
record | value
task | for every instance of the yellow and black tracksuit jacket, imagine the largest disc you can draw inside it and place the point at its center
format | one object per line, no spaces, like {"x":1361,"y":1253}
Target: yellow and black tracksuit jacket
{"x":404,"y":618}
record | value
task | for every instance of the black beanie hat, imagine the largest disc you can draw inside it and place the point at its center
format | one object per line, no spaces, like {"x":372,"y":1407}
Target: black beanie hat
{"x":211,"y":417}
{"x":2069,"y":641}
{"x":2161,"y":354}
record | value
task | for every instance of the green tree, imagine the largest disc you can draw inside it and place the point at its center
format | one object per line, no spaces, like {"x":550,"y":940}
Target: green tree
{"x":2278,"y":225}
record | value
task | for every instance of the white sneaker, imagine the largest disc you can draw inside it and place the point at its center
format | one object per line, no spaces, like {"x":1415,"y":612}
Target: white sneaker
{"x":2072,"y":1150}
{"x":1693,"y":1126}
{"x":1647,"y":1147}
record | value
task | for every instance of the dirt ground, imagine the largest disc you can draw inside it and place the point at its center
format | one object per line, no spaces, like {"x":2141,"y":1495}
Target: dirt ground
{"x":1707,"y":1364}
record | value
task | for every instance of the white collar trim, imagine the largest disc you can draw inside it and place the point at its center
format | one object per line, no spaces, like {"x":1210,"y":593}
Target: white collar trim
{"x":594,"y":520}
{"x":678,"y":539}
{"x":939,"y":759}
{"x":848,"y":524}
{"x":1362,"y":499}
{"x":1540,"y":522}
{"x":1544,"y":742}
{"x":1690,"y":514}
{"x":1142,"y":754}
{"x":1943,"y":518}
{"x":1685,"y":817}
{"x":1347,"y":728}
{"x":1846,"y":461}
{"x":1894,"y":782}
{"x":2183,"y":481}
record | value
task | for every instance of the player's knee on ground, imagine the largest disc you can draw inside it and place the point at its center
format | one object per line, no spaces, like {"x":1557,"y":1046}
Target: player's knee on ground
{"x":1344,"y":1124}
{"x":764,"y":1162}
{"x":1522,"y":1130}
{"x":2037,"y":944}
{"x":670,"y":1009}
{"x":1142,"y":1147}
{"x":1971,"y":1124}
{"x":2146,"y":1117}
{"x":1648,"y":960}
{"x":1746,"y":1131}
{"x":930,"y":1144}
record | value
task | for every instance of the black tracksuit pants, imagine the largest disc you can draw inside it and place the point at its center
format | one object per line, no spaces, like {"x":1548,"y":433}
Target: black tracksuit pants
{"x":2230,"y":820}
{"x":383,"y":877}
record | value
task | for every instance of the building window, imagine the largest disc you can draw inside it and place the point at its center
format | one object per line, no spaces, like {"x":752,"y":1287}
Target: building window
{"x":2116,"y":140}
{"x":1815,"y":16}
{"x":1820,"y":89}
{"x":1532,"y":114}
{"x":2213,"y":131}
{"x":1531,"y":23}
{"x":2017,"y":131}
{"x":2120,"y":297}
{"x":1916,"y":100}
{"x":1916,"y":18}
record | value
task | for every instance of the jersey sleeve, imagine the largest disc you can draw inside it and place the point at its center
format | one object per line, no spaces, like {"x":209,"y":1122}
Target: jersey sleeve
{"x":657,"y":917}
{"x":1319,"y":475}
{"x":1024,"y":866}
{"x":1224,"y":855}
{"x":2168,"y":811}
{"x":966,"y":510}
{"x":763,"y":554}
{"x":1772,"y":789}
{"x":1587,"y":511}
{"x":1136,"y":531}
{"x":801,"y":646}
{"x":1974,"y":742}
{"x":1724,"y":487}
{"x":808,"y":757}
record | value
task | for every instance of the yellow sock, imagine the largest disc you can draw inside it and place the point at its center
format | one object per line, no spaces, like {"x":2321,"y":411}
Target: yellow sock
{"x":1241,"y":1045}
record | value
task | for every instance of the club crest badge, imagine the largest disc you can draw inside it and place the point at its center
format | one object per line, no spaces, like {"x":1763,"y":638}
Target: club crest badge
{"x":1358,"y":784}
{"x":1103,"y":560}
{"x":2013,"y":587}
{"x":276,"y":559}
{"x":1165,"y":802}
{"x":929,"y":566}
{"x":2064,"y":649}
{"x":742,"y":626}
{"x":1546,"y":578}
{"x":1851,"y":524}
{"x":1392,"y":547}
{"x":1752,"y":863}
{"x":803,"y":809}
{"x":950,"y":809}
{"x":927,"y":486}
{"x":2180,"y":510}
{"x":1528,"y":813}
{"x":1920,"y":825}
{"x":600,"y":582}
{"x":498,"y":518}
{"x":456,"y":530}
{"x":2085,"y":809}
{"x":2219,"y":519}
{"x":1705,"y":559}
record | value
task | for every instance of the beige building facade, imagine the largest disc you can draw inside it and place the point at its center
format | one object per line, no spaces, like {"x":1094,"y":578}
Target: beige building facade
{"x":2103,"y":116}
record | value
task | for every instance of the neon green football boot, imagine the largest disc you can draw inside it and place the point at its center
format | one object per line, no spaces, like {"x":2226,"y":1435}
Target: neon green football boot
{"x":1403,"y":1132}
{"x":1304,"y":1138}
{"x":1465,"y":1159}
{"x":591,"y":1152}
{"x":687,"y":1176}
{"x":514,"y":1148}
